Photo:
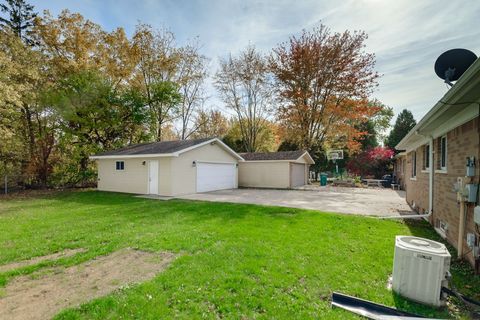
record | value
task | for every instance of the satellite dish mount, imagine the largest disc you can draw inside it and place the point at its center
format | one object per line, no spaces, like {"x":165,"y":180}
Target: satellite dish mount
{"x":449,"y":74}
{"x":452,"y":64}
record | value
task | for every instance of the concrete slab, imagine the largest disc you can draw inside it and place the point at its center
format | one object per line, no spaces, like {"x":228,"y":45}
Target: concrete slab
{"x":369,"y":202}
{"x":154,"y":196}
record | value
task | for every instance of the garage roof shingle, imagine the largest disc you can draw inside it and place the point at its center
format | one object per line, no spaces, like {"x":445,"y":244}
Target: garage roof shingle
{"x":281,"y":155}
{"x":154,"y":147}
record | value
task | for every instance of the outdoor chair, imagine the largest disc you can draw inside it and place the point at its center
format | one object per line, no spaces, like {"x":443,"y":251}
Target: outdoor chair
{"x":396,"y":183}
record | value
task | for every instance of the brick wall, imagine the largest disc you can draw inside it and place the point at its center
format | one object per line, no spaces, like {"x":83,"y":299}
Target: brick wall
{"x":400,"y":170}
{"x":462,"y":142}
{"x":417,"y":187}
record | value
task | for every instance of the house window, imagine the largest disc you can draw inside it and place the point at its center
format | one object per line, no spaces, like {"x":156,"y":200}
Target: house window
{"x":441,"y":227}
{"x":426,"y":156}
{"x":414,"y":164}
{"x":443,"y":153}
{"x":120,"y":165}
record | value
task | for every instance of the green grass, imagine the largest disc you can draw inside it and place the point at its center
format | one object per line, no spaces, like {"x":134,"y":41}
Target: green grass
{"x":237,"y":261}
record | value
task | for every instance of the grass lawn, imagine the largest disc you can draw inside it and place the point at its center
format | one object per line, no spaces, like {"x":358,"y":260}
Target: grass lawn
{"x":237,"y":261}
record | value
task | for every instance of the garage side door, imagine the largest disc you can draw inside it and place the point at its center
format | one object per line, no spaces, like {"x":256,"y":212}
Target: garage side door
{"x":298,"y":174}
{"x":215,"y":176}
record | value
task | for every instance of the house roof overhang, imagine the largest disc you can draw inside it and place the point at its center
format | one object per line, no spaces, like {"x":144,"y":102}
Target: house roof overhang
{"x":400,"y":154}
{"x":459,"y":105}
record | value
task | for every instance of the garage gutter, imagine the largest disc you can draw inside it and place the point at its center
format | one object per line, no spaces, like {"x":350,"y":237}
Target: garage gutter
{"x":133,"y":156}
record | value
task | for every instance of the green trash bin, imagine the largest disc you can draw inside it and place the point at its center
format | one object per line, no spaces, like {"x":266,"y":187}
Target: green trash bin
{"x":323,"y":179}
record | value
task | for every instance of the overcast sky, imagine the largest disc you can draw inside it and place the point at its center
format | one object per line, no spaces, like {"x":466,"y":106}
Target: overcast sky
{"x":405,"y":35}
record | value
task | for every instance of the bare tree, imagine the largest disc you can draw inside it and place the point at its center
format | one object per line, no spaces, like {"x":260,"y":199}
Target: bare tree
{"x":192,"y":73}
{"x":156,"y":76}
{"x":244,"y":84}
{"x":210,"y":124}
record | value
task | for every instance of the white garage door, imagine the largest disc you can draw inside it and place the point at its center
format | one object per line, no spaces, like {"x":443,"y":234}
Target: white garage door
{"x":298,"y":174}
{"x":215,"y":176}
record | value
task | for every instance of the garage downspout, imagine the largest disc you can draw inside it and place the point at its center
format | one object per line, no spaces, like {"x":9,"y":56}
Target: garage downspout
{"x":430,"y":187}
{"x":430,"y":176}
{"x":461,"y":230}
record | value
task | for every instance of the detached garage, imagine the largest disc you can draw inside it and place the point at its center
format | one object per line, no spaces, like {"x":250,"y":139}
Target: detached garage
{"x":283,"y":170}
{"x":169,"y":168}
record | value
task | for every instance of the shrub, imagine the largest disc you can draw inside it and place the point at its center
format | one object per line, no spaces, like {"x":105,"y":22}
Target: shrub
{"x":375,"y":162}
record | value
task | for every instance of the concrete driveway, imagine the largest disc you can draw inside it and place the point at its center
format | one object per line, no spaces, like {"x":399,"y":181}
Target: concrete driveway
{"x":372,"y":202}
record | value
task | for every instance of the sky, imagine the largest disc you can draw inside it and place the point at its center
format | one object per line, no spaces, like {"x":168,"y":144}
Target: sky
{"x":406,"y":36}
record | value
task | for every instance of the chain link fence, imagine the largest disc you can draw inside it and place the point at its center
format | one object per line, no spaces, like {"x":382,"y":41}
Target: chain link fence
{"x":11,"y":183}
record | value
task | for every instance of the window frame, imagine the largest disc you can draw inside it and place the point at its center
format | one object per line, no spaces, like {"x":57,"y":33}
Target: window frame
{"x":443,"y":153}
{"x":426,"y":156}
{"x":119,"y":165}
{"x":414,"y":164}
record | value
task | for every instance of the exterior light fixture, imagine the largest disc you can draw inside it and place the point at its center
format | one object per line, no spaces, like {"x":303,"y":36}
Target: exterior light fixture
{"x":194,"y":164}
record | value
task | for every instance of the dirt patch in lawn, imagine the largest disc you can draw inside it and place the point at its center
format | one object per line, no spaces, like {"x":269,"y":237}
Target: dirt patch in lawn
{"x":42,"y":295}
{"x":33,"y":261}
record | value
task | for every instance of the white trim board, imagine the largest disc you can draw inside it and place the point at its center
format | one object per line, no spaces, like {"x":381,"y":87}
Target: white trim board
{"x":212,"y":141}
{"x":467,"y":114}
{"x":464,"y":116}
{"x":294,"y":161}
{"x":219,"y":162}
{"x":133,"y":156}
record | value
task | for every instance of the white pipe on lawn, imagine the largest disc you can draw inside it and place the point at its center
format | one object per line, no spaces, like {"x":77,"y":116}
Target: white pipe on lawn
{"x":407,"y":216}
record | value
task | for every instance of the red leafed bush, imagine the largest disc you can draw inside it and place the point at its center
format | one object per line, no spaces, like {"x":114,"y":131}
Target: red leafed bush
{"x":372,"y":162}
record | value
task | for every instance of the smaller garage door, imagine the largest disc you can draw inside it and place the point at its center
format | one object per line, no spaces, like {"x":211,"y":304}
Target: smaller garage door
{"x":298,"y":174}
{"x":215,"y":176}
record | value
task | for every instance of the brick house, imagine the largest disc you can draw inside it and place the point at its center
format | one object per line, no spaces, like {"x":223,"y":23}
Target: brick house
{"x":400,"y":169}
{"x":435,"y":155}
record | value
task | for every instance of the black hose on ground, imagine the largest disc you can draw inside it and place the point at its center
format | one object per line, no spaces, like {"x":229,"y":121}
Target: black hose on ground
{"x":472,"y":304}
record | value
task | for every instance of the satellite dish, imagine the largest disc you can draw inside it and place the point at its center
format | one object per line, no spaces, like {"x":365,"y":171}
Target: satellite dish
{"x":451,"y":64}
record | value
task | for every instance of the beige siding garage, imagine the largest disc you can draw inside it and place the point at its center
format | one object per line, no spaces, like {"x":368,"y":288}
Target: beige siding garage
{"x":186,"y":174}
{"x":280,"y":170}
{"x":264,"y":174}
{"x":298,"y":174}
{"x":177,"y":167}
{"x":134,"y":177}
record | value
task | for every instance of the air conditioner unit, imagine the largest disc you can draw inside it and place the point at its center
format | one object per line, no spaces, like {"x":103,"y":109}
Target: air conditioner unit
{"x":420,"y":269}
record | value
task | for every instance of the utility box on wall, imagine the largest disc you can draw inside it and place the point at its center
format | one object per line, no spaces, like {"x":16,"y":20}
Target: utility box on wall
{"x":470,"y":169}
{"x":471,"y":192}
{"x":470,"y":172}
{"x":476,"y":215}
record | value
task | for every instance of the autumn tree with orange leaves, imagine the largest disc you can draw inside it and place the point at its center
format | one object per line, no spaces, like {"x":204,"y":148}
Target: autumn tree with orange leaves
{"x":324,"y":81}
